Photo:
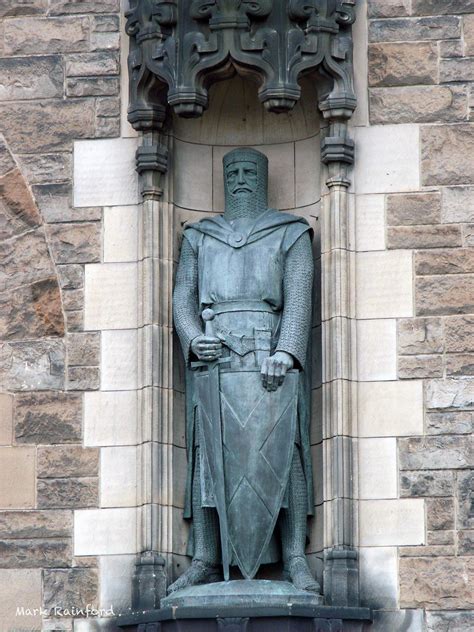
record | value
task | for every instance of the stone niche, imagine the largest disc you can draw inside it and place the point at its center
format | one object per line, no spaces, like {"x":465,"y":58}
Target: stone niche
{"x":292,"y":143}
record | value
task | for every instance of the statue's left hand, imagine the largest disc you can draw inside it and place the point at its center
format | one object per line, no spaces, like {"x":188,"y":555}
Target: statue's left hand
{"x":274,"y":369}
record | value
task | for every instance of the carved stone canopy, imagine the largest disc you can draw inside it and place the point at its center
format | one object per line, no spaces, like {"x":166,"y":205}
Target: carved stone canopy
{"x":180,"y":47}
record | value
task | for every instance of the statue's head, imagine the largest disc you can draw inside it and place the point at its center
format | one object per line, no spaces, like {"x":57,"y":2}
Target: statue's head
{"x":245,"y":182}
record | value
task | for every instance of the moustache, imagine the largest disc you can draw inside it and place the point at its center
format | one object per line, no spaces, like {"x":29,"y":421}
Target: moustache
{"x":241,"y":189}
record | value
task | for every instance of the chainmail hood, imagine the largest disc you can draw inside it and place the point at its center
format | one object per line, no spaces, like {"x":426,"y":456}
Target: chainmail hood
{"x":251,"y":205}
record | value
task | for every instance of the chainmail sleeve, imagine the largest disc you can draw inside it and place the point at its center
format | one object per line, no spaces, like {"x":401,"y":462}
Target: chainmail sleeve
{"x":185,"y":299}
{"x":297,"y":288}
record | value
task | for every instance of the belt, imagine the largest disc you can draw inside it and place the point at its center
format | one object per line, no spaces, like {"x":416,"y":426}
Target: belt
{"x":243,"y":306}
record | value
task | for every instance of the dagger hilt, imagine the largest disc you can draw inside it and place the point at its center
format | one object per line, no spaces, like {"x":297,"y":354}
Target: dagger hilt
{"x":208,"y":316}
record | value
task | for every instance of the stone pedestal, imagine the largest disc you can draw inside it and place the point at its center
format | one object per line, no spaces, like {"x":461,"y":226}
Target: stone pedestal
{"x":246,"y":606}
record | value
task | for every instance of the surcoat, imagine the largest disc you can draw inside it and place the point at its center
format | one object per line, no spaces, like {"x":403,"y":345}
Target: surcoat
{"x":241,"y":274}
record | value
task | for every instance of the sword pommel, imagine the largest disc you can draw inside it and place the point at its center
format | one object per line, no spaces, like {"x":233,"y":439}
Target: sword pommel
{"x":208,"y":316}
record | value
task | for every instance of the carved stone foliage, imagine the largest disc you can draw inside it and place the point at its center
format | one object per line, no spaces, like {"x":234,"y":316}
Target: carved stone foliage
{"x":180,"y":47}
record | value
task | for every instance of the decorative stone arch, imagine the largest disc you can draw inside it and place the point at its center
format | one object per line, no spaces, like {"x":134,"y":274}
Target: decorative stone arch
{"x":177,"y":53}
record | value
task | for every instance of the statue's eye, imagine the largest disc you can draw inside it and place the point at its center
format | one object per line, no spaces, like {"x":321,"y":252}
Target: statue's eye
{"x":251,"y":172}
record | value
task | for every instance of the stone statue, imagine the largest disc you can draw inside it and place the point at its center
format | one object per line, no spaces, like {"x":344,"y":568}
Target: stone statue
{"x":242,"y":310}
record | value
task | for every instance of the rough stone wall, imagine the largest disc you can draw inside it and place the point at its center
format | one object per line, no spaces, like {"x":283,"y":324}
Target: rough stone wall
{"x":59,"y":81}
{"x":420,"y":110}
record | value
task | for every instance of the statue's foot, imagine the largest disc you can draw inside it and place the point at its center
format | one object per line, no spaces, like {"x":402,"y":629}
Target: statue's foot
{"x":298,"y":573}
{"x":198,"y":573}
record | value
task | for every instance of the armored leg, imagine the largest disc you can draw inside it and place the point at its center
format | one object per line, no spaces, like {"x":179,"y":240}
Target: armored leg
{"x":204,"y":568}
{"x":292,"y":523}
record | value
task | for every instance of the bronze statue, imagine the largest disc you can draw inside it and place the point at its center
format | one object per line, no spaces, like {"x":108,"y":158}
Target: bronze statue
{"x":242,"y":310}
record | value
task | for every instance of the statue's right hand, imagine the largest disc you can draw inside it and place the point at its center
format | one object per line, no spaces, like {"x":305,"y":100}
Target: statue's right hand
{"x":206,"y":348}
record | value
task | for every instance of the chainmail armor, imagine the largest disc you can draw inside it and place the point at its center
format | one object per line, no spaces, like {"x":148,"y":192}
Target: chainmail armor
{"x":292,"y":522}
{"x":251,"y":205}
{"x":185,"y":299}
{"x":298,"y":286}
{"x":205,"y":523}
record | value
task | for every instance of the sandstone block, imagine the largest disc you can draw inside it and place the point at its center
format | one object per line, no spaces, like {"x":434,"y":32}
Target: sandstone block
{"x":37,"y":553}
{"x":427,"y":551}
{"x":84,"y":378}
{"x":71,"y":277}
{"x":52,"y":35}
{"x":75,"y":243}
{"x":19,"y":212}
{"x":452,"y":294}
{"x":440,"y":236}
{"x":458,"y":69}
{"x":105,"y":41}
{"x":449,"y":423}
{"x":456,"y":621}
{"x":436,"y":582}
{"x":465,"y":507}
{"x":83,"y":349}
{"x":6,"y":419}
{"x":93,"y":64}
{"x":413,"y":209}
{"x":105,"y":23}
{"x":458,"y":204}
{"x":445,"y":262}
{"x":75,"y":320}
{"x":107,"y":127}
{"x":442,"y":7}
{"x":459,"y":332}
{"x":440,"y":538}
{"x":403,"y":64}
{"x":420,"y":336}
{"x":32,"y":365}
{"x":108,"y":106}
{"x":415,"y":29}
{"x":24,"y":260}
{"x":64,"y":7}
{"x":420,"y":366}
{"x":67,"y":462}
{"x":31,"y":311}
{"x":35,"y":524}
{"x":92,"y":87}
{"x":20,"y":588}
{"x":435,"y":453}
{"x":388,"y":8}
{"x":418,"y":104}
{"x":460,"y":364}
{"x":468,"y":29}
{"x":7,"y":162}
{"x":43,"y":126}
{"x":466,"y":542}
{"x":450,"y":393}
{"x":17,"y":483}
{"x":73,"y":299}
{"x":446,"y":152}
{"x":46,"y":168}
{"x":31,"y":78}
{"x":67,"y":493}
{"x":440,"y":514}
{"x":426,"y":483}
{"x":71,"y":588}
{"x":48,"y":418}
{"x":450,"y":48}
{"x":55,"y":203}
{"x":25,"y":7}
{"x":468,"y":235}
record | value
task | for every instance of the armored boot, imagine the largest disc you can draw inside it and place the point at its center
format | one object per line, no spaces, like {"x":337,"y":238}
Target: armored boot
{"x":292,"y":523}
{"x":206,"y":565}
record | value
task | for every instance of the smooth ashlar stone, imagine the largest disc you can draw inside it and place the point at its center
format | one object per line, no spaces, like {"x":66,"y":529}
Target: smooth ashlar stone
{"x":445,"y":261}
{"x":426,"y":483}
{"x":48,"y":418}
{"x":413,"y":209}
{"x":67,"y":461}
{"x":31,"y":311}
{"x":31,"y":78}
{"x":45,"y":126}
{"x":35,"y":524}
{"x":446,"y":154}
{"x":403,"y":64}
{"x":75,"y":242}
{"x":35,"y":365}
{"x":444,"y":295}
{"x":53,"y":35}
{"x":35,"y":553}
{"x":67,"y":493}
{"x":6,"y":419}
{"x":436,"y":582}
{"x":429,"y":453}
{"x":418,"y":104}
{"x":17,"y":483}
{"x":71,"y":588}
{"x":415,"y":29}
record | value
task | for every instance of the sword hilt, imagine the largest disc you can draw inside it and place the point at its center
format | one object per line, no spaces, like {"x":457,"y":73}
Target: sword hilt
{"x":208,"y":316}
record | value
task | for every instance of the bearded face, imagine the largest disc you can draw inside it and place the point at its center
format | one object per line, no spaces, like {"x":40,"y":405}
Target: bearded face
{"x":245,"y":183}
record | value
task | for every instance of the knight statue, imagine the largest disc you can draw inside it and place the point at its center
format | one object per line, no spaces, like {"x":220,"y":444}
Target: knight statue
{"x":242,"y":310}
